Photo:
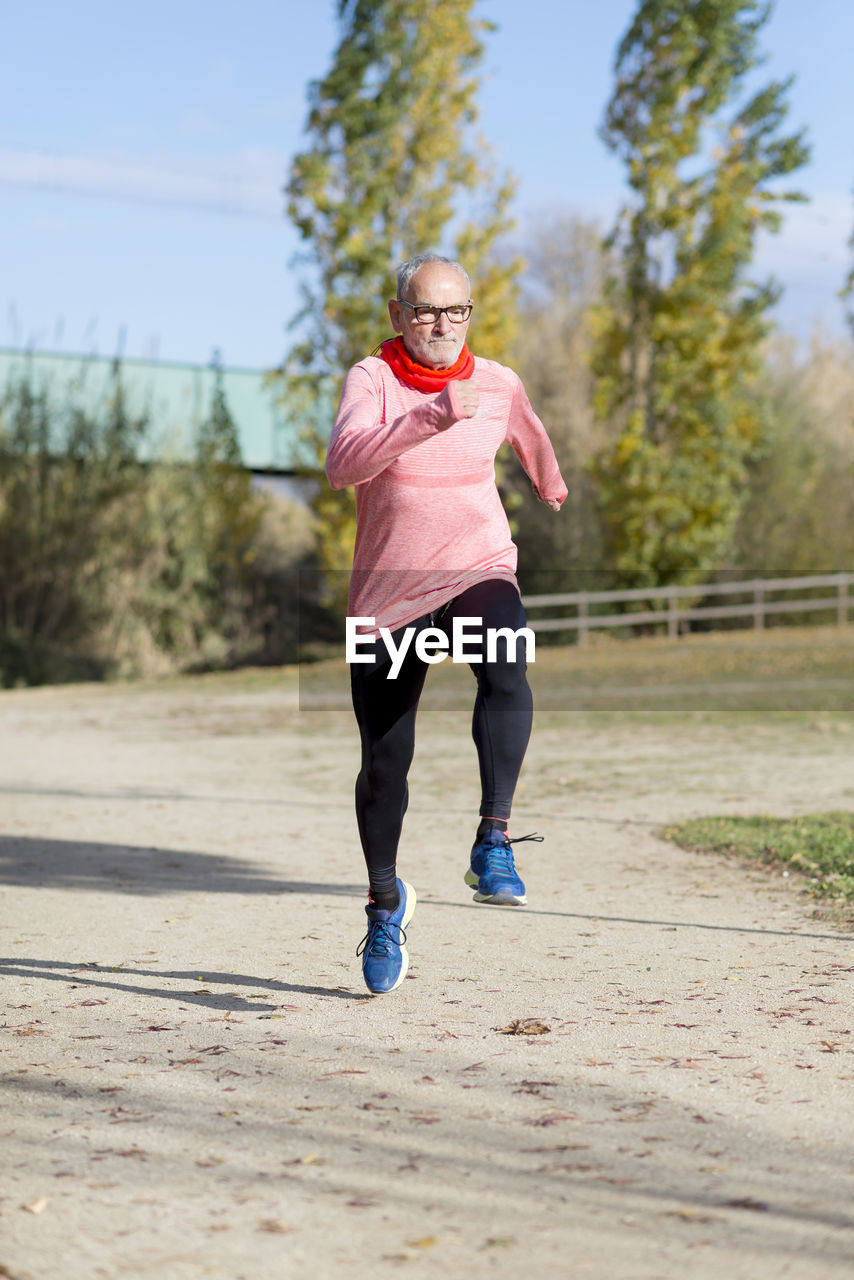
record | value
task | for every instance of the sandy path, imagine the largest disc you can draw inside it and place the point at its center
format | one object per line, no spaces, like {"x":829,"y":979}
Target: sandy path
{"x":196,"y":1084}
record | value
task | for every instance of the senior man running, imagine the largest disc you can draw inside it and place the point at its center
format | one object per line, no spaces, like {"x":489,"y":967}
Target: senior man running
{"x":417,"y":431}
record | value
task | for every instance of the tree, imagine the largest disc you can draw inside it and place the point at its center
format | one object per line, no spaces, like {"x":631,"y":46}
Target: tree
{"x":115,"y":562}
{"x":561,"y":286}
{"x":229,"y":513}
{"x":848,"y":291}
{"x":393,"y":168}
{"x":228,"y":516}
{"x":679,"y":341}
{"x":65,"y":482}
{"x":799,"y":517}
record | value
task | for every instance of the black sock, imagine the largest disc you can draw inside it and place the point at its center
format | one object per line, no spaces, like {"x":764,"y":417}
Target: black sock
{"x":489,"y":824}
{"x":384,"y":901}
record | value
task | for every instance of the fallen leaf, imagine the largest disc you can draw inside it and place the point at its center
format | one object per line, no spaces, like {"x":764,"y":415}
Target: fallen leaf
{"x":747,"y":1202}
{"x":690,"y":1215}
{"x":127,"y":1115}
{"x":38,"y":1206}
{"x":534,"y":1086}
{"x":139,"y":1152}
{"x":551,"y":1117}
{"x":275,"y":1226}
{"x":566,"y":1168}
{"x":524,"y":1027}
{"x":570,"y":1146}
{"x":426,"y":1242}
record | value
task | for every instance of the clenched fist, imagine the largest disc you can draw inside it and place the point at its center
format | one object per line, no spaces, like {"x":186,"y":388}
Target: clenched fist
{"x":467,"y":396}
{"x":458,"y":400}
{"x":552,"y":503}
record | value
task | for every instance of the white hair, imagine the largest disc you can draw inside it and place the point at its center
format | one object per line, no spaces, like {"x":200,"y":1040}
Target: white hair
{"x":407,"y":270}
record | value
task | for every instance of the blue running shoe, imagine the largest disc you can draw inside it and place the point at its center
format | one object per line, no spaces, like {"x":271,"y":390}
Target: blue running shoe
{"x":383,"y":948}
{"x":492,"y":872}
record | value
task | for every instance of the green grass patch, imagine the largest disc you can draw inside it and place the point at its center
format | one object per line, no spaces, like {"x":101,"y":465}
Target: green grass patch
{"x":819,"y":846}
{"x":791,"y":669}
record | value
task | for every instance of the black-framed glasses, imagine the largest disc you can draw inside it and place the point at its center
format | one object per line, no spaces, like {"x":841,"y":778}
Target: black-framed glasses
{"x":426,"y":313}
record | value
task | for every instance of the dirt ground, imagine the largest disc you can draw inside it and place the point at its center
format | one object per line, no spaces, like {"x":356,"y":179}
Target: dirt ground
{"x":179,"y":868}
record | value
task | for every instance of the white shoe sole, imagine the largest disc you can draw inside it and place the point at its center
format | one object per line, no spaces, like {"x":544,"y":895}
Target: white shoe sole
{"x":503,"y":899}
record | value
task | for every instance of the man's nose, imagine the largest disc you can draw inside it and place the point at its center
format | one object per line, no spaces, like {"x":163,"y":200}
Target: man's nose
{"x":443,"y":324}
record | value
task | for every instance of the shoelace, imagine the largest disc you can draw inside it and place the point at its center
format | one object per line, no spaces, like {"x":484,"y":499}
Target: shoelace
{"x":499,"y":857}
{"x":379,"y":939}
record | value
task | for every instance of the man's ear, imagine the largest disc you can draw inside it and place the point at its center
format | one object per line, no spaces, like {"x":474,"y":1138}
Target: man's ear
{"x":395,"y":312}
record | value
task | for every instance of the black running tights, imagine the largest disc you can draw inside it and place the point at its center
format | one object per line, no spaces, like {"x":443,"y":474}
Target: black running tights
{"x":386,"y":709}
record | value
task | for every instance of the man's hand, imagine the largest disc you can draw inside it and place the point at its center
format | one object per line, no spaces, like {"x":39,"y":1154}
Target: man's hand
{"x":458,"y":400}
{"x":467,"y":396}
{"x":551,"y":503}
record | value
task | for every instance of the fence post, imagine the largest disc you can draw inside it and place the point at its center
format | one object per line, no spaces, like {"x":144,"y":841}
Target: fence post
{"x":758,"y":610}
{"x":583,"y":629}
{"x":672,"y":616}
{"x":842,"y":600}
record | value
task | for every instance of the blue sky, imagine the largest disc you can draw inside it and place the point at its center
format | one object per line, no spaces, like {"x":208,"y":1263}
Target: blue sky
{"x":143,"y":150}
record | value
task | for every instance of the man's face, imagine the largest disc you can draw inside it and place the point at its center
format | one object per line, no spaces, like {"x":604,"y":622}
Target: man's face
{"x":436,"y":345}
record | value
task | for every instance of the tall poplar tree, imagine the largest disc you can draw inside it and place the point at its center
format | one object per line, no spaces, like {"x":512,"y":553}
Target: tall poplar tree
{"x":679,"y":338}
{"x":848,"y":291}
{"x":393,"y":167}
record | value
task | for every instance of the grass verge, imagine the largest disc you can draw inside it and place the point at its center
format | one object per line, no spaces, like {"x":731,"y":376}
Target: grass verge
{"x":819,"y":846}
{"x":788,"y":670}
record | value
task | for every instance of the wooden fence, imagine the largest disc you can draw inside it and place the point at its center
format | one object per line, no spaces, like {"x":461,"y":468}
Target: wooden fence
{"x":676,"y":606}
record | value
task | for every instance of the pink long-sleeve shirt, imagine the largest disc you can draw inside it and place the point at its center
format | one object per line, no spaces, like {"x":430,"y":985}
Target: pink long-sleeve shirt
{"x":430,"y":522}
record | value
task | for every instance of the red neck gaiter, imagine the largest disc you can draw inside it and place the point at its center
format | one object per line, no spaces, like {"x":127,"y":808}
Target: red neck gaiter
{"x":419,"y":375}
